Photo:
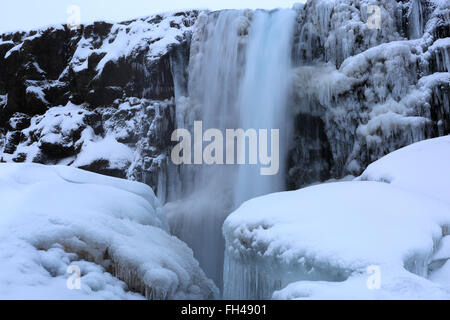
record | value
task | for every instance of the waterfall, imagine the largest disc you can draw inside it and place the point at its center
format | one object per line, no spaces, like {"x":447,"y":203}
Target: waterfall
{"x":239,"y":77}
{"x":265,"y":90}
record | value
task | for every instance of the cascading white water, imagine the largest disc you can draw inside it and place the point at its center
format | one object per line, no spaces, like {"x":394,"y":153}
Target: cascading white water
{"x":215,"y":68}
{"x":239,"y":77}
{"x":264,"y":93}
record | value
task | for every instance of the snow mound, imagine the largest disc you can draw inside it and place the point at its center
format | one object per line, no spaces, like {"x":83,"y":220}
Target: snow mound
{"x":421,"y":167}
{"x":118,"y":154}
{"x":325,"y":241}
{"x":403,"y":285}
{"x":113,"y":230}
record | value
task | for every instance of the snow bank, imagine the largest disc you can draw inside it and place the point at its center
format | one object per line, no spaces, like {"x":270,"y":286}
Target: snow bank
{"x":113,"y":230}
{"x":321,"y":241}
{"x":397,"y":285}
{"x":421,"y":167}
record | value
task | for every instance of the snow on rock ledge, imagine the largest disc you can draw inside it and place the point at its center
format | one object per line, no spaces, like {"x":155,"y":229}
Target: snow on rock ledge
{"x":320,"y":240}
{"x":113,"y":229}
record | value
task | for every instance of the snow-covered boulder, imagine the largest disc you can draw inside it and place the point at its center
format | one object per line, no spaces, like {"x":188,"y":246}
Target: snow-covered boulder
{"x":113,"y":230}
{"x":342,"y":240}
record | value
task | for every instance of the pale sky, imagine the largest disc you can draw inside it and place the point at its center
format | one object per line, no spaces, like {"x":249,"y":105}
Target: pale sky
{"x":30,"y":14}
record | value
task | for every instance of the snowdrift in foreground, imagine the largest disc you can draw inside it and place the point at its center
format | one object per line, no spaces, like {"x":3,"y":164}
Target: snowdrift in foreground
{"x":340,"y":240}
{"x":113,"y":230}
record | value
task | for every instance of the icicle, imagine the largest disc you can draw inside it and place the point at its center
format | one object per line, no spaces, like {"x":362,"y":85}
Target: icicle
{"x":415,"y":19}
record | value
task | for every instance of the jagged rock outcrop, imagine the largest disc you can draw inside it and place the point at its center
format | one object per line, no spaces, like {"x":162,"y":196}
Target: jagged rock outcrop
{"x":99,"y":97}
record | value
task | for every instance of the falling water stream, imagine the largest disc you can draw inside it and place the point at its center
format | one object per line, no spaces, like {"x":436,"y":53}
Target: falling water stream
{"x":264,"y":93}
{"x":239,"y":77}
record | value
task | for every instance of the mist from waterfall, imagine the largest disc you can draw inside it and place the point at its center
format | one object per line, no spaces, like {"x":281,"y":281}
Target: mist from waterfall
{"x":239,"y":77}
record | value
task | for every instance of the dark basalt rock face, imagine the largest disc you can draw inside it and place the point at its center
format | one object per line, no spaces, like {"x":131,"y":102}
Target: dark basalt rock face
{"x":315,"y":157}
{"x":41,"y":57}
{"x":62,"y":91}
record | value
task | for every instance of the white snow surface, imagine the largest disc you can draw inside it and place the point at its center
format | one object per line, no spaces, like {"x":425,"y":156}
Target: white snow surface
{"x":422,"y":167}
{"x":114,"y":230}
{"x":157,"y":32}
{"x":319,"y":242}
{"x":118,"y":154}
